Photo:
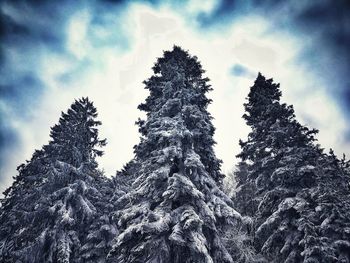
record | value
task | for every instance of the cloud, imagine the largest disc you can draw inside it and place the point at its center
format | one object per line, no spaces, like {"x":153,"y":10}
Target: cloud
{"x":54,"y":52}
{"x":323,"y":28}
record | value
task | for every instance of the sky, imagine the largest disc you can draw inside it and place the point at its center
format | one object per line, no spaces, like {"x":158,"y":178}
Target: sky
{"x":52,"y":52}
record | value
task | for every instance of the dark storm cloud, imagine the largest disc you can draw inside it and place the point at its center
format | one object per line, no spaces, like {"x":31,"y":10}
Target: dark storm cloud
{"x":28,"y":87}
{"x":34,"y":22}
{"x":222,"y":13}
{"x":9,"y":27}
{"x":330,"y":20}
{"x":8,"y":142}
{"x":26,"y":30}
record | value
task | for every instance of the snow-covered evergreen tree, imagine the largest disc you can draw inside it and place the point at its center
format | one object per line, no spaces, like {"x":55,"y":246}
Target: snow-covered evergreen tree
{"x":175,"y":210}
{"x":313,"y":225}
{"x":287,"y":169}
{"x":46,"y":213}
{"x":16,"y":211}
{"x":273,"y":159}
{"x":244,"y":197}
{"x":124,"y":179}
{"x":274,"y":129}
{"x":326,"y":218}
{"x":74,"y":139}
{"x":102,"y":229}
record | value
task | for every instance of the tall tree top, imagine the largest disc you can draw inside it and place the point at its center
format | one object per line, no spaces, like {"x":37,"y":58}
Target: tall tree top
{"x":175,"y":72}
{"x":75,"y":138}
{"x":263,"y":93}
{"x":184,"y":62}
{"x":178,"y":99}
{"x":273,"y":123}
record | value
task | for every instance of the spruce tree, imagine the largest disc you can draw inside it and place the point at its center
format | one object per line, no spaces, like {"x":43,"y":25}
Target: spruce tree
{"x":289,"y":173}
{"x":175,"y":210}
{"x":123,"y":179}
{"x":46,"y":212}
{"x":16,"y":211}
{"x":280,"y":158}
{"x":102,"y":230}
{"x":74,"y":140}
{"x":326,"y":218}
{"x":273,"y":130}
{"x":244,"y":197}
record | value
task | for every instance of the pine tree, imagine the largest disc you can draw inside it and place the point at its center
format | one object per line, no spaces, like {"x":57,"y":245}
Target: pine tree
{"x":175,"y":210}
{"x":45,"y":213}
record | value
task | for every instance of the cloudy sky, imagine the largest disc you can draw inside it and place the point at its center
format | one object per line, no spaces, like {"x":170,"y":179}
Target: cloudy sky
{"x":54,"y":51}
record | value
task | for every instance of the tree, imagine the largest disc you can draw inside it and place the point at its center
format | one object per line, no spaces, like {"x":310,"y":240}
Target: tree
{"x":313,"y":225}
{"x":17,"y":206}
{"x":326,"y":219}
{"x":279,"y":159}
{"x":45,"y":213}
{"x":244,"y":198}
{"x":274,"y":130}
{"x":74,"y":139}
{"x":102,"y":229}
{"x":290,"y":174}
{"x":175,"y":210}
{"x":124,"y":179}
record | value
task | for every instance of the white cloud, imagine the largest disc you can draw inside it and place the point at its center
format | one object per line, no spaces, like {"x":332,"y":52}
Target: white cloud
{"x":77,"y":42}
{"x":196,"y":6}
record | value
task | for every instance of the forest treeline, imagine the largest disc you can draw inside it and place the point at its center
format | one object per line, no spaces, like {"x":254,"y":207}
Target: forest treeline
{"x":169,"y":204}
